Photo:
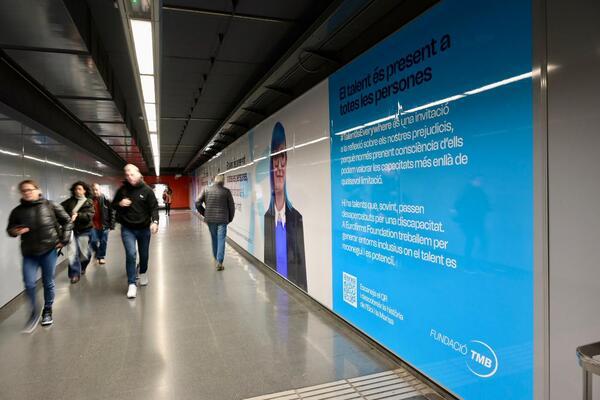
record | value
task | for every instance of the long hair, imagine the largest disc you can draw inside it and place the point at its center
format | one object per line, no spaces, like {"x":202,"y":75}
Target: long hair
{"x":85,"y":186}
{"x":277,"y":140}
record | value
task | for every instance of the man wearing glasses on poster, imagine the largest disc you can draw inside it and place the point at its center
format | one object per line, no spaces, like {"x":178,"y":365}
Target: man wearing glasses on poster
{"x":284,"y":233}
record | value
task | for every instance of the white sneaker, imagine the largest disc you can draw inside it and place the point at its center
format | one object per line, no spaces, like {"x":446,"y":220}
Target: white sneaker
{"x":132,"y":291}
{"x":143,"y":279}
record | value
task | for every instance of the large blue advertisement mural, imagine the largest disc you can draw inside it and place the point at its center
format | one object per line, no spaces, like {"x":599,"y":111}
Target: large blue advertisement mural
{"x":432,"y":203}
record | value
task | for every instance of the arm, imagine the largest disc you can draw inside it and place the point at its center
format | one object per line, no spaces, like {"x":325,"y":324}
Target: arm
{"x":64,"y":221}
{"x":230,"y":205}
{"x":12,"y":224}
{"x":152,"y":206}
{"x":112,"y":214}
{"x":199,"y":203}
{"x":118,"y":197}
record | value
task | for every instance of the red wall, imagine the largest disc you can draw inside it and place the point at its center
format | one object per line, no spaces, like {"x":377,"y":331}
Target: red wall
{"x":180,"y":187}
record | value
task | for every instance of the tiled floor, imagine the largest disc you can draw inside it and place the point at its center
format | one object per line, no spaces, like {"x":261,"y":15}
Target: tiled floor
{"x":193,"y":333}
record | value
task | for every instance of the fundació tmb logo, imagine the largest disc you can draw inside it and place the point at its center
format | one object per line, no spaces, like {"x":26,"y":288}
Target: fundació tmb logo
{"x":480,"y":357}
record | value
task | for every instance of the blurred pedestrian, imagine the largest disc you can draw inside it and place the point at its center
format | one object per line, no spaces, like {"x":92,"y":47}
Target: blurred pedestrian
{"x":81,"y":209}
{"x":103,"y":222}
{"x":167,"y":199}
{"x":44,"y":227}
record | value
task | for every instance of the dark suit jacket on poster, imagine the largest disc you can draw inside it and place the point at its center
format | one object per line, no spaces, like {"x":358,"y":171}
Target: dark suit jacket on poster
{"x":295,"y":245}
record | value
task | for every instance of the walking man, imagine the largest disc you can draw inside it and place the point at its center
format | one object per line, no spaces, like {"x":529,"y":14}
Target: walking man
{"x":137,"y":212}
{"x":44,"y":227}
{"x":218,"y":211}
{"x":103,"y":221}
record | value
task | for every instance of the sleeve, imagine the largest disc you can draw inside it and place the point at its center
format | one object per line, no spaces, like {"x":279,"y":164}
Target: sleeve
{"x":113,"y":215}
{"x":118,"y":197}
{"x":152,"y":206}
{"x":230,"y":205}
{"x":12,"y":223}
{"x":86,"y":213}
{"x":64,"y":221}
{"x":64,"y":206}
{"x":199,"y":202}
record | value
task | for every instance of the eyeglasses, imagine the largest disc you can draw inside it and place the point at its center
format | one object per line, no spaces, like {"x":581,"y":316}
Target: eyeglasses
{"x":27,"y":190}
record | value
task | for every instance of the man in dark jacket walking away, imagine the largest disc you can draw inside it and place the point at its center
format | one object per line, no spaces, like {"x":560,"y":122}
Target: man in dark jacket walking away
{"x":218,"y":211}
{"x":44,"y":227}
{"x":103,"y":221}
{"x":137,"y":212}
{"x":81,"y":209}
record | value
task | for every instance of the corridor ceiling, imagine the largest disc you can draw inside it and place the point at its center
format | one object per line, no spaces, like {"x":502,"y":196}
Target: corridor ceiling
{"x":224,"y":66}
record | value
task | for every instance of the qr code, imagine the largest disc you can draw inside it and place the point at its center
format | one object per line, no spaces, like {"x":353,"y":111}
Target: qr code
{"x":350,"y":289}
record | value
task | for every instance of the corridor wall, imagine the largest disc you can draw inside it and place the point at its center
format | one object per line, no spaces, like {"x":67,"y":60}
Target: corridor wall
{"x":399,"y":193}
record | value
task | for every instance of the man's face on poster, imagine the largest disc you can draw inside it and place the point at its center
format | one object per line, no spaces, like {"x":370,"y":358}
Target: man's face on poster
{"x":279,"y":162}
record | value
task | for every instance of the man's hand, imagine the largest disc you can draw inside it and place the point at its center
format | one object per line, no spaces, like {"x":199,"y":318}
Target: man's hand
{"x":154,"y":227}
{"x":73,"y":217}
{"x":60,"y":245}
{"x":19,"y":231}
{"x":125,"y":202}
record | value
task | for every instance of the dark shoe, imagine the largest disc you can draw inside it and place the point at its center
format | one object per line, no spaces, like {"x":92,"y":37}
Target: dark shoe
{"x":47,"y":316}
{"x":74,"y":279}
{"x":83,"y":272}
{"x":32,"y":322}
{"x":220,"y":267}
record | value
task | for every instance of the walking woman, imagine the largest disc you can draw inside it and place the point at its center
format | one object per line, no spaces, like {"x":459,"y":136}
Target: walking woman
{"x":81,"y":209}
{"x":44,"y":227}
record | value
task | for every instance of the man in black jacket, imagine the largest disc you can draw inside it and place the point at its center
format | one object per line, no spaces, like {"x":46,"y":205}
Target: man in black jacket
{"x":103,"y":221}
{"x":81,"y":209}
{"x":43,"y":226}
{"x":137,"y":212}
{"x":219,"y":212}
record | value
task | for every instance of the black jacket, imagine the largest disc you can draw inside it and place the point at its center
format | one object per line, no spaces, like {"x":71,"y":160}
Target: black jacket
{"x":84,"y":215}
{"x":219,"y":206}
{"x":143,"y":210}
{"x":44,"y":219}
{"x":296,"y":267}
{"x":107,"y":213}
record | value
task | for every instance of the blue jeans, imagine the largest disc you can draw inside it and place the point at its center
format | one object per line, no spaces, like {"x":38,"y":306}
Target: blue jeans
{"x":47,"y":262}
{"x":218,"y":232}
{"x":79,"y":253}
{"x":99,"y":241}
{"x":129,"y":237}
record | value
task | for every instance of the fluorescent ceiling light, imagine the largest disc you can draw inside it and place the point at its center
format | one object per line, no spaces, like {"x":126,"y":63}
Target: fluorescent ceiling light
{"x":150,"y":111}
{"x":148,"y":88}
{"x":154,"y":143}
{"x":142,"y":40}
{"x":157,"y":165}
{"x":311,"y":142}
{"x":500,"y":83}
{"x":152,"y":126}
{"x":9,"y":153}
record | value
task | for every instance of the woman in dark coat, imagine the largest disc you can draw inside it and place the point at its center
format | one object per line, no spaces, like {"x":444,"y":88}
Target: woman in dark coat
{"x":81,"y":209}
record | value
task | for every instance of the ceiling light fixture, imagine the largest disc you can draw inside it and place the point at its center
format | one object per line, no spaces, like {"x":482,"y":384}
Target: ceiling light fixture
{"x":142,"y":41}
{"x":148,"y":88}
